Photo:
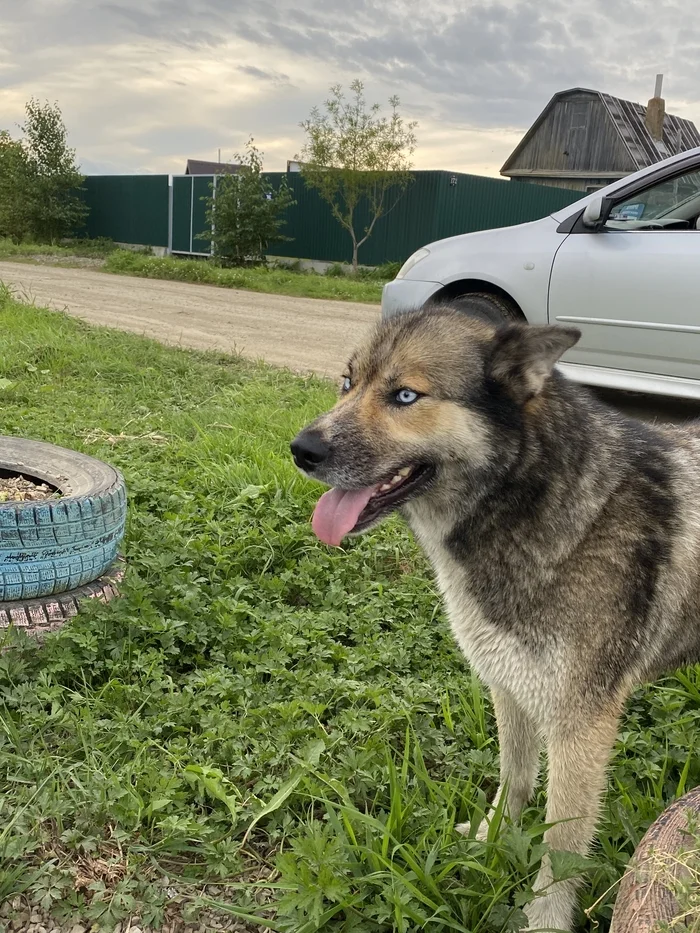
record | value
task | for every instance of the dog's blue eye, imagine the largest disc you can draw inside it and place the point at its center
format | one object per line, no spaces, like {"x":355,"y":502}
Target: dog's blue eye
{"x":406,"y":396}
{"x":347,"y":384}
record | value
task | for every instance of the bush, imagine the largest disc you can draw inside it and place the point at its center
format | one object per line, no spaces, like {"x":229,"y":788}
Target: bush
{"x":244,"y":212}
{"x":384,"y":273}
{"x":39,"y":179}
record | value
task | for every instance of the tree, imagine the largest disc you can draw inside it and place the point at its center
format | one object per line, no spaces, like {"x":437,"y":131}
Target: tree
{"x":15,"y":177}
{"x":244,"y":211}
{"x":54,"y":207}
{"x":354,"y":154}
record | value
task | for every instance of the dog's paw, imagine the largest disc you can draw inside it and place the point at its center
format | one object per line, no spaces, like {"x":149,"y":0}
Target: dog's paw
{"x":481,"y":834}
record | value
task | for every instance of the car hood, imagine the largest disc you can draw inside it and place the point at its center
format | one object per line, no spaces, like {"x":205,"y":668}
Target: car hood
{"x":484,"y":238}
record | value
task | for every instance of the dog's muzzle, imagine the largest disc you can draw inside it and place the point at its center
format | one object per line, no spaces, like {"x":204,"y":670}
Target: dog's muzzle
{"x":309,"y":450}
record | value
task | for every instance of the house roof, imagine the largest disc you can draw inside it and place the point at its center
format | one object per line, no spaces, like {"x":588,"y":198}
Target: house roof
{"x":629,"y":120}
{"x":199,"y":167}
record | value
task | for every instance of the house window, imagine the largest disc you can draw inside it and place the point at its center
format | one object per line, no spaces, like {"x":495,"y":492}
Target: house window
{"x":579,"y":115}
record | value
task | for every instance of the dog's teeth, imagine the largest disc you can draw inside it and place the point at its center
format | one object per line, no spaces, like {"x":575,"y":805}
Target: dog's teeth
{"x":395,"y":480}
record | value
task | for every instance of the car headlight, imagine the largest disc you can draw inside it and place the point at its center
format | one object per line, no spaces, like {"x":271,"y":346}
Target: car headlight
{"x":412,"y":261}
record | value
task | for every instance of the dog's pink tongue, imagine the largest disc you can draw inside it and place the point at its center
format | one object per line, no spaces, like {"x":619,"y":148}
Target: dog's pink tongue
{"x":337,"y":511}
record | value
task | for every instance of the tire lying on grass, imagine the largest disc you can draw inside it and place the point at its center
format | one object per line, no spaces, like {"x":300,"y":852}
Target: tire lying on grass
{"x":666,"y":856}
{"x":57,"y":546}
{"x":40,"y":617}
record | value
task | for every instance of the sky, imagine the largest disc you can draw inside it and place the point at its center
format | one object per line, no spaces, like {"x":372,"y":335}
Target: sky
{"x":146,"y":84}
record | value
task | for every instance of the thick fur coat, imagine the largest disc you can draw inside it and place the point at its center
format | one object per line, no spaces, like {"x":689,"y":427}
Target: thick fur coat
{"x":565,"y":539}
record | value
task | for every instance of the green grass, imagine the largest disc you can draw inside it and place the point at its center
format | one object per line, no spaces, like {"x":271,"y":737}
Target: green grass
{"x":336,"y":284}
{"x":97,"y":249}
{"x":289,"y":722}
{"x":269,"y":279}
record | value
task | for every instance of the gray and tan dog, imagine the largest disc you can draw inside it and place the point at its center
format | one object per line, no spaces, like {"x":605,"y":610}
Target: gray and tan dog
{"x":565,"y":538}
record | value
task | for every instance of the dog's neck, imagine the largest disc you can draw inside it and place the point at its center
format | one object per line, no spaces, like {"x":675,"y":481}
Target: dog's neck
{"x":553,"y":470}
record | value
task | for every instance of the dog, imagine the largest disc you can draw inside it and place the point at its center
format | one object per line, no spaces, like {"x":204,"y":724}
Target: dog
{"x":564,"y":537}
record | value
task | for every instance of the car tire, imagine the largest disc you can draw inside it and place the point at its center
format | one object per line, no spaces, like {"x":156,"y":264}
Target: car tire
{"x":56,"y":545}
{"x":495,"y":307}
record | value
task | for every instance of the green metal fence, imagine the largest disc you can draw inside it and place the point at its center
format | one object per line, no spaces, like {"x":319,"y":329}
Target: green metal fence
{"x":188,"y":216}
{"x":135,"y":209}
{"x":437,"y":205}
{"x":128,"y":208}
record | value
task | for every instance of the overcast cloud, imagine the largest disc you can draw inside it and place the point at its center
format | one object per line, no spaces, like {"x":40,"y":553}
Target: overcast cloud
{"x":145,"y":84}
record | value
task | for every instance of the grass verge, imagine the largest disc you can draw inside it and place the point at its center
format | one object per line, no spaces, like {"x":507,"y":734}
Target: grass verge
{"x":335,"y":285}
{"x":268,"y":279}
{"x":289,"y":723}
{"x":90,"y":249}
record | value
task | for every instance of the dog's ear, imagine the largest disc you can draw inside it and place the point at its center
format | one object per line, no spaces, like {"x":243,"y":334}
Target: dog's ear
{"x":523,"y":357}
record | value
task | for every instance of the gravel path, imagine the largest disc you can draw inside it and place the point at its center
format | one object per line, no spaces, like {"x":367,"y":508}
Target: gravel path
{"x":304,"y":334}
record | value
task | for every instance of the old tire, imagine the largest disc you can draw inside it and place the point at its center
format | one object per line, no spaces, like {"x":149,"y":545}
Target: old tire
{"x":41,"y":617}
{"x":53,"y":546}
{"x":645,"y":900}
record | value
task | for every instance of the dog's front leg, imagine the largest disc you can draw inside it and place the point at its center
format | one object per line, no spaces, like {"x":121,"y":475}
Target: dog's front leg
{"x":578,"y":754}
{"x":520,"y":756}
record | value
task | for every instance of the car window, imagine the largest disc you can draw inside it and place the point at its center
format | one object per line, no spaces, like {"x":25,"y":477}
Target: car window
{"x":673,"y":204}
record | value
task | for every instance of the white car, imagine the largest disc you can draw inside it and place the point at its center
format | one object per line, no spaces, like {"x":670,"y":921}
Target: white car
{"x":622,"y":265}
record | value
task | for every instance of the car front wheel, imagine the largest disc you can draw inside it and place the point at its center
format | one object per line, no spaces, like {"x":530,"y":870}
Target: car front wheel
{"x":495,"y":307}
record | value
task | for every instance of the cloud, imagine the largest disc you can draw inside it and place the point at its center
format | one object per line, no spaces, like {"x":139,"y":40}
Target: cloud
{"x":277,"y":77}
{"x":145,"y":86}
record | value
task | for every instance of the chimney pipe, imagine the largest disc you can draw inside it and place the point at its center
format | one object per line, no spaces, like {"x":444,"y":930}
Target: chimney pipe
{"x":656,"y":111}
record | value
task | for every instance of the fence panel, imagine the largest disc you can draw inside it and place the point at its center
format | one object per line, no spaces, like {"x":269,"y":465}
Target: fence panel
{"x":189,"y":214}
{"x":202,"y":188}
{"x":128,"y":208}
{"x":471,"y":202}
{"x":181,"y":240}
{"x":310,"y":224}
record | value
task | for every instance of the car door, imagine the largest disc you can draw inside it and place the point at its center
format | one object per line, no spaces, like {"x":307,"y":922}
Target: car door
{"x":632,"y":285}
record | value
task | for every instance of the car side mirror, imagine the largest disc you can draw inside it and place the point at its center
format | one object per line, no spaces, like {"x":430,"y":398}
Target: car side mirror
{"x":593,"y":214}
{"x":596,"y":213}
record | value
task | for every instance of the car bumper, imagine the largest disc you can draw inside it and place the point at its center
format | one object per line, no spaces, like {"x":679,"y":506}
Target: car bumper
{"x":406,"y":295}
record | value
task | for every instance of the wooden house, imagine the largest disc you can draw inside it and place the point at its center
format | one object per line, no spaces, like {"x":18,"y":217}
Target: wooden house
{"x":586,"y":139}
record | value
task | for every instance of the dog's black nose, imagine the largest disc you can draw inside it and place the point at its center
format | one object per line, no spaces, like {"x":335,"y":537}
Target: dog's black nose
{"x":309,"y":450}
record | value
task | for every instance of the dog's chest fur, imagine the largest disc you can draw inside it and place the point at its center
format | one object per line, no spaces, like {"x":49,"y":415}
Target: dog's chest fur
{"x":499,"y":656}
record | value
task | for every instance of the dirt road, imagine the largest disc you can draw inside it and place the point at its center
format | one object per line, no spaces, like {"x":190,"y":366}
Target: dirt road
{"x":304,"y":334}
